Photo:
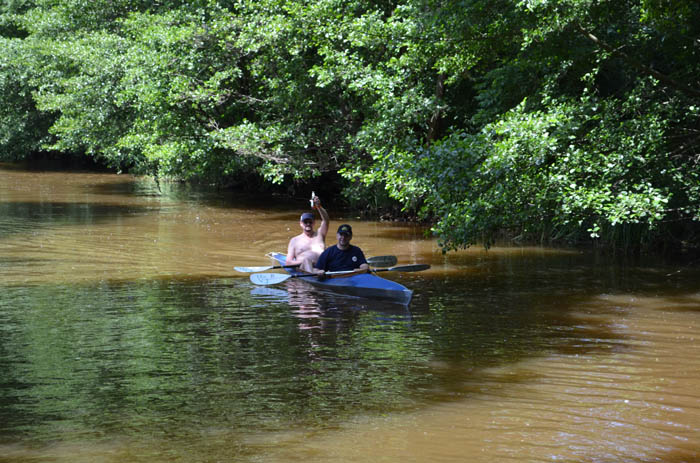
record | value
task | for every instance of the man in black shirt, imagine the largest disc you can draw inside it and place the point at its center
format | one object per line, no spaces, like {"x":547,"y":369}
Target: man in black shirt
{"x":342,"y":256}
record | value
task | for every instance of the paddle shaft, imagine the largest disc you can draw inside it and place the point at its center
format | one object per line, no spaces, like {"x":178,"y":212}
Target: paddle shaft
{"x":273,"y":278}
{"x":400,"y":268}
{"x":378,"y":261}
{"x":403,"y":268}
{"x":262,"y":269}
{"x":285,"y":266}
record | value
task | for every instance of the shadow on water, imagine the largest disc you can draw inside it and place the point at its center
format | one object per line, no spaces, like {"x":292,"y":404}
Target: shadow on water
{"x":168,"y":355}
{"x":28,"y":217}
{"x":148,"y":188}
{"x":185,"y":193}
{"x":398,"y":231}
{"x":513,"y":309}
{"x":129,"y":188}
{"x":182,"y":360}
{"x":161,"y":353}
{"x":686,"y":303}
{"x":173,"y":359}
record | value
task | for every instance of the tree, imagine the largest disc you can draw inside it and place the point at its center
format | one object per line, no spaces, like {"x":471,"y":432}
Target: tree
{"x":547,"y":120}
{"x":603,"y":142}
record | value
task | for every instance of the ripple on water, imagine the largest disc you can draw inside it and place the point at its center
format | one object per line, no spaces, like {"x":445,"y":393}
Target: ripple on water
{"x":125,"y":335}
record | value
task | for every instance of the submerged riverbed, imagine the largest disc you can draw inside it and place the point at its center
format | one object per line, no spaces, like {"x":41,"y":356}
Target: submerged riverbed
{"x":126,"y":335}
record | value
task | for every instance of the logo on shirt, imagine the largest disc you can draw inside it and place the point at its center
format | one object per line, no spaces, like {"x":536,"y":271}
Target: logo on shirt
{"x":354,"y":258}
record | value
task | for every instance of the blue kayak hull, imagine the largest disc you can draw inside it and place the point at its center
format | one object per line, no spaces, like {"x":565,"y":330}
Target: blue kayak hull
{"x":366,"y":285}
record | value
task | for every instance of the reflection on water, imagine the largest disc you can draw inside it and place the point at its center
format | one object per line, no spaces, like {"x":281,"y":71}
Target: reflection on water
{"x":172,"y":356}
{"x":125,"y":335}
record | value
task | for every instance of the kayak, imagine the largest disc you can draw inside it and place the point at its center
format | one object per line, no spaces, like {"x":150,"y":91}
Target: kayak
{"x":366,"y":285}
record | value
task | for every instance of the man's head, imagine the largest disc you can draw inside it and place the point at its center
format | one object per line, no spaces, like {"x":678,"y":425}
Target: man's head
{"x":307,"y":222}
{"x":344,"y":235}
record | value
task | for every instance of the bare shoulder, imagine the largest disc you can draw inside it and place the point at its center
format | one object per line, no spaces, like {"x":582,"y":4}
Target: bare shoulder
{"x":294,"y":240}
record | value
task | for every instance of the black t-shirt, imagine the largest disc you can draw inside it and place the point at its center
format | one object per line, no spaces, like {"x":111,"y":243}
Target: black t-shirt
{"x":334,"y":259}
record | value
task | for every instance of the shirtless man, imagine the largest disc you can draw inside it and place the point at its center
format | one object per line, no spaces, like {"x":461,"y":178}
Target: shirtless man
{"x":305,"y":248}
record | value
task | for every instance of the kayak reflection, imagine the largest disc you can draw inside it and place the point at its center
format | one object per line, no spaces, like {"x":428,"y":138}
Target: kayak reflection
{"x":313,"y":306}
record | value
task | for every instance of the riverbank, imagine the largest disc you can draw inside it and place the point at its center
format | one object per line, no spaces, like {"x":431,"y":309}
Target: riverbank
{"x":373,"y":204}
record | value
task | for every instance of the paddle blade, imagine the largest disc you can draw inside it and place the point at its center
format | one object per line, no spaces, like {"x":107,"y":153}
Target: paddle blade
{"x":252,"y":269}
{"x":382,"y":261}
{"x":406,"y":268}
{"x":268,"y":278}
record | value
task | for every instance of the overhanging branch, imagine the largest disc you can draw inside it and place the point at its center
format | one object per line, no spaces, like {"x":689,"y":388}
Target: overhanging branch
{"x":641,"y":66}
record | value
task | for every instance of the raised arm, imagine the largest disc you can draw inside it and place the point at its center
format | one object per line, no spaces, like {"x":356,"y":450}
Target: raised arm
{"x":325,"y":218}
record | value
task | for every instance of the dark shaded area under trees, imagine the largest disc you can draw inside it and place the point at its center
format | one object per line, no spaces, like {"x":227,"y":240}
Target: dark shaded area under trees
{"x":567,"y":121}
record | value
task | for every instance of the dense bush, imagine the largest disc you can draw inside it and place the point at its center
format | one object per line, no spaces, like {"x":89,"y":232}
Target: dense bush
{"x":546,"y":120}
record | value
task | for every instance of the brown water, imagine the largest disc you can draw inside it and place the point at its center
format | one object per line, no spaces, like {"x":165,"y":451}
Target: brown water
{"x":125,"y":335}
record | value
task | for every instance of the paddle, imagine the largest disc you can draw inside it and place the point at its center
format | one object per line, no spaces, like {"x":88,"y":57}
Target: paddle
{"x":382,"y":261}
{"x":274,"y":278}
{"x":377,"y":261}
{"x":262,"y":269}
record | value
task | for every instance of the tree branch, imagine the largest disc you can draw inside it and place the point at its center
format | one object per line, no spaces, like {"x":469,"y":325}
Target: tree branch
{"x":641,"y":66}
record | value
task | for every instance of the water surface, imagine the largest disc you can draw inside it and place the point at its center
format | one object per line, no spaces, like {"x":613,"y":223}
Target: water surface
{"x":125,"y":335}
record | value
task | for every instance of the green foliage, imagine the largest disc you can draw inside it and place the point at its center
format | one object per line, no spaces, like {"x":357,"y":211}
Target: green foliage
{"x":23,"y":130}
{"x":546,"y":120}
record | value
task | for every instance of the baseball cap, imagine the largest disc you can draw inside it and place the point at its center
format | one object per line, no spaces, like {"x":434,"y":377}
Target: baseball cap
{"x":345,"y":228}
{"x":307,"y":216}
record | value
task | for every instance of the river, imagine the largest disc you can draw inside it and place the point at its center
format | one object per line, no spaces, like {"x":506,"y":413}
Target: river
{"x":126,"y":335}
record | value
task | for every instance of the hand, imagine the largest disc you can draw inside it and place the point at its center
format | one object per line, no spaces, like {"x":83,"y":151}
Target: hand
{"x":317,"y":202}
